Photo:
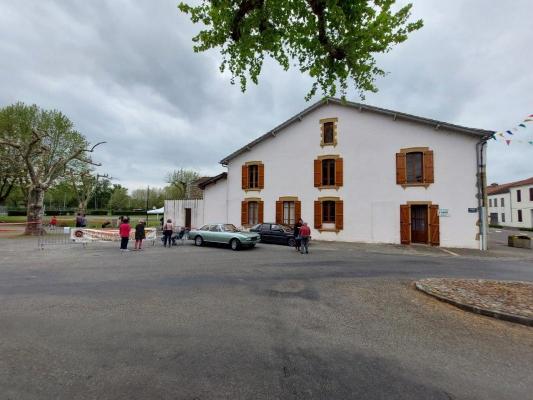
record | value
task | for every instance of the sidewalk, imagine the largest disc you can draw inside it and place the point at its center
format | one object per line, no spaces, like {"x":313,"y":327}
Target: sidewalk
{"x":510,"y":301}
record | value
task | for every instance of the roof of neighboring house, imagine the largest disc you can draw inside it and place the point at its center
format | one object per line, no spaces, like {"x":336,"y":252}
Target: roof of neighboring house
{"x":201,"y":180}
{"x":505,"y":187}
{"x":212,"y":179}
{"x":362,"y":107}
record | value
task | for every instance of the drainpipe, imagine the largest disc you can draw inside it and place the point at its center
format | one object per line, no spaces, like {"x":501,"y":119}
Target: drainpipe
{"x":481,"y":192}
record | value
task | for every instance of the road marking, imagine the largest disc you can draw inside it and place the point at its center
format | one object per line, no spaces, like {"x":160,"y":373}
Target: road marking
{"x":450,"y":252}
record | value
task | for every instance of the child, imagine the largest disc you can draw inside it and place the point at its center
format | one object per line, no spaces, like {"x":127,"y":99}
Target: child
{"x":124,"y":231}
{"x":139,"y":235}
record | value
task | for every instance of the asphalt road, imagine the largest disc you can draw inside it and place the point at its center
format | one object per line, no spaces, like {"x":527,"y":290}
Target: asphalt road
{"x":268,"y":323}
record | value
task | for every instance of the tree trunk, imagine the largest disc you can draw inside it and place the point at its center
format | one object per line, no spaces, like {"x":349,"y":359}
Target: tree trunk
{"x":82,"y":207}
{"x":35,"y":207}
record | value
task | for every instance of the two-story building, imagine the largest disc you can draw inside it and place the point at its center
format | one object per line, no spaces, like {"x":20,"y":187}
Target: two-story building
{"x":357,"y":173}
{"x":511,"y":204}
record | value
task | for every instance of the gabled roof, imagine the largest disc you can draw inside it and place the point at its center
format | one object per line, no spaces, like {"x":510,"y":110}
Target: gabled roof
{"x":209,"y":180}
{"x":505,"y":187}
{"x":481,"y":133}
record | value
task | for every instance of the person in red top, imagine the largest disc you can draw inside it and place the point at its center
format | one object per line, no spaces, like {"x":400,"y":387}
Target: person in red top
{"x":53,"y":222}
{"x":124,"y":231}
{"x":305,"y":234}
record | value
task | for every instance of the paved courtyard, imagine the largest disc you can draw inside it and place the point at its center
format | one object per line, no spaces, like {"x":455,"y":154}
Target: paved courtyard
{"x":207,"y":323}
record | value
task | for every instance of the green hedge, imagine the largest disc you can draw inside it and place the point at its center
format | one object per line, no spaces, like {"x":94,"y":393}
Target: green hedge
{"x":16,"y":213}
{"x":526,"y":229}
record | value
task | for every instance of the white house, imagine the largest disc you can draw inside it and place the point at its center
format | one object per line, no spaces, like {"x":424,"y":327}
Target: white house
{"x":511,"y":204}
{"x":357,"y":173}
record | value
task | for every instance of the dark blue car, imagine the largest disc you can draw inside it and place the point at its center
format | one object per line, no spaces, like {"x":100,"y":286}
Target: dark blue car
{"x":275,"y":233}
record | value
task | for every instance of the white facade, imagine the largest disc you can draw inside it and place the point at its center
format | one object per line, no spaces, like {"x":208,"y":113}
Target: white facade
{"x":185,"y":212}
{"x":367,"y":142}
{"x":518,"y":214}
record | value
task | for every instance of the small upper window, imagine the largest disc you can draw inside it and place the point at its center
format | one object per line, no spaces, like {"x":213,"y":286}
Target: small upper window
{"x":415,"y":170}
{"x":253,"y":176}
{"x":502,"y":203}
{"x":328,"y":172}
{"x":329,"y":133}
{"x":519,"y":215}
{"x":518,"y":195}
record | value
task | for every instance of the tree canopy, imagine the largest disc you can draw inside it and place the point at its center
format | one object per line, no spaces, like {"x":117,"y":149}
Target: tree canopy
{"x":334,"y":41}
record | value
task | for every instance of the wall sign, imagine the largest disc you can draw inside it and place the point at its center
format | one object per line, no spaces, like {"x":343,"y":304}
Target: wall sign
{"x":472,"y":210}
{"x":443,"y":212}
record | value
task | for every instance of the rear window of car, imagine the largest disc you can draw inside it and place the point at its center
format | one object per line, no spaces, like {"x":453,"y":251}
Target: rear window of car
{"x":204,"y":228}
{"x":265,"y":227}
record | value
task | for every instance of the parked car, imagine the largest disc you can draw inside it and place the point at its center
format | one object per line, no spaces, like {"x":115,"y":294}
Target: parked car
{"x":225,"y":234}
{"x":275,"y":233}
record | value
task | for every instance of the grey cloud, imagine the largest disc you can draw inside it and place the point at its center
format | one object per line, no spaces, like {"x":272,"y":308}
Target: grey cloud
{"x":124,"y":72}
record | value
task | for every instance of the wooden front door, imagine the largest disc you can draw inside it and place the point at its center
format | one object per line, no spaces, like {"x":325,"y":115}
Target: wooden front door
{"x":188,"y":218}
{"x":419,"y":224}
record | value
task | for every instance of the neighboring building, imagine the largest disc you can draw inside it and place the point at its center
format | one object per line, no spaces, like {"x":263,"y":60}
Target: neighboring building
{"x":511,"y":204}
{"x":356,"y":173}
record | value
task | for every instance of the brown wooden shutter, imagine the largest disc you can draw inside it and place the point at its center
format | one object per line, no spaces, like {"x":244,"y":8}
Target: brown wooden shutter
{"x":297,"y":210}
{"x":318,"y":214}
{"x":401,"y":169}
{"x":260,"y":211}
{"x":338,"y":172}
{"x":244,"y":213}
{"x":429,"y":176}
{"x":318,"y":173}
{"x":434,"y":225}
{"x":279,"y":212}
{"x":245,"y":177}
{"x":261,"y":175}
{"x":405,"y":224}
{"x":339,"y":215}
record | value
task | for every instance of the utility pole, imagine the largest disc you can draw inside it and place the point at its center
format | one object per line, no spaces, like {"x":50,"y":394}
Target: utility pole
{"x":147,"y":196}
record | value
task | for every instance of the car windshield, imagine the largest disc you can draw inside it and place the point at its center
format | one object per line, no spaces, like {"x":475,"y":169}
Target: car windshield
{"x":229,"y":228}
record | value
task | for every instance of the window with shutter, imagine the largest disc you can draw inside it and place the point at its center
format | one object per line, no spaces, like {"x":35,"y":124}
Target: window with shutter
{"x":253,"y":213}
{"x":329,"y":211}
{"x":288,"y":213}
{"x":414,"y":167}
{"x":253,"y":176}
{"x":339,"y":215}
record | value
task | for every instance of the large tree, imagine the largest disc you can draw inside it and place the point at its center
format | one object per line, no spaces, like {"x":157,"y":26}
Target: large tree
{"x":181,"y":182}
{"x":334,"y":41}
{"x":84,"y":181}
{"x":47,"y":144}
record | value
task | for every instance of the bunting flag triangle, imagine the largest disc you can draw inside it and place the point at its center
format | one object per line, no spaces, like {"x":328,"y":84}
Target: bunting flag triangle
{"x":501,"y":134}
{"x":509,"y":132}
{"x":522,"y":125}
{"x":528,"y":120}
{"x":530,"y":115}
{"x":508,"y":142}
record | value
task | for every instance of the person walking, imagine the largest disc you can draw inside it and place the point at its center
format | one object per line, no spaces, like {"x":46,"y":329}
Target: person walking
{"x":305,"y":234}
{"x":168,"y":228}
{"x":140,"y":234}
{"x":297,"y":240}
{"x":124,"y":231}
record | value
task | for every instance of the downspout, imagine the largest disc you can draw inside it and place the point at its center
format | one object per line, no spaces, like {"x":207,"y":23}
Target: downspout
{"x":481,"y":192}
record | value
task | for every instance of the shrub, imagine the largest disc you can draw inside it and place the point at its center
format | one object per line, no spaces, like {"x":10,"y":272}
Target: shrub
{"x":526,"y":229}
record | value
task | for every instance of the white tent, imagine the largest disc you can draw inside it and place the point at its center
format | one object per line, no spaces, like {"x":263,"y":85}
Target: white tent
{"x":157,"y":211}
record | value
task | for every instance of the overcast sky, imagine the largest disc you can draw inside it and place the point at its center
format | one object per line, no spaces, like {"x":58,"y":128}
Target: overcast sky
{"x":124,"y":72}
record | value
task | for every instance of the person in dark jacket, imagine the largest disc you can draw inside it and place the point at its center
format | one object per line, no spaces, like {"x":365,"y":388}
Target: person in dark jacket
{"x":140,"y":234}
{"x":298,"y":241}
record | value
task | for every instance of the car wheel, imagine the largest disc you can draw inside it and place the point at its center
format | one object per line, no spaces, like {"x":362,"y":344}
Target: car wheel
{"x":235,"y":244}
{"x":291,"y":242}
{"x":198,"y":241}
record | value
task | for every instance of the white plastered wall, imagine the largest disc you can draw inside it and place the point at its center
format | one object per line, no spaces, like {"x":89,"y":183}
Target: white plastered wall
{"x":368,"y":143}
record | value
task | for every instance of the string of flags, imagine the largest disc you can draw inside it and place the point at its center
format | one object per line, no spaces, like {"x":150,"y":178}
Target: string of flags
{"x":509,"y":136}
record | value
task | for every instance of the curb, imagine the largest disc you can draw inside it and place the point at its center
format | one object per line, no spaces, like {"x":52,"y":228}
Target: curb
{"x":478,"y":310}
